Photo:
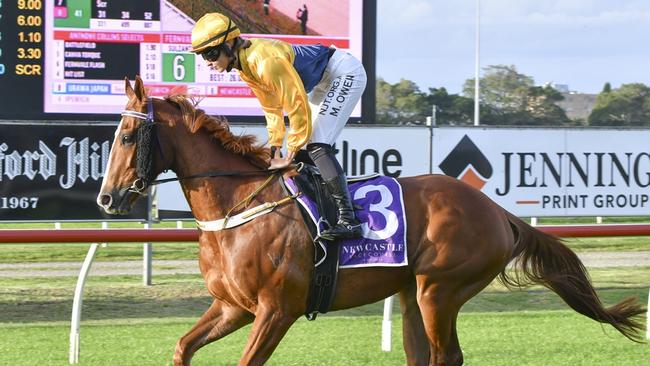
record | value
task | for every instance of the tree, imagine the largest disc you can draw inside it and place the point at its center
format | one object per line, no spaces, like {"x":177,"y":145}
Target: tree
{"x":507,"y":98}
{"x":502,"y":88}
{"x":451,"y":109}
{"x":607,"y":88}
{"x":542,"y":108}
{"x":404,"y":103}
{"x":628,"y":105}
{"x":384,"y":101}
{"x":400,"y":103}
{"x":511,"y":98}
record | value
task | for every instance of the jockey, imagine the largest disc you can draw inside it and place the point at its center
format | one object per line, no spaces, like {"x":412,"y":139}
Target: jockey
{"x":318,"y":87}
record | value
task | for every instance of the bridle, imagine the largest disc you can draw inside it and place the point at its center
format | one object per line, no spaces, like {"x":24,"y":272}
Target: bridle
{"x":145,"y":156}
{"x":146,"y":175}
{"x":146,"y":136}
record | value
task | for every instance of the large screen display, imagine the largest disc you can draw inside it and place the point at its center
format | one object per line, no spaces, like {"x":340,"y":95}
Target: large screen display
{"x":63,"y":59}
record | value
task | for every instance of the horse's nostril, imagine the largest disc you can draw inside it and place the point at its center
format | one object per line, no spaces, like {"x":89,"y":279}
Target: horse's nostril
{"x":106,"y":200}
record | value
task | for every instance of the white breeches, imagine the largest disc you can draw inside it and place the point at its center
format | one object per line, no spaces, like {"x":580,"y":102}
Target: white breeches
{"x":335,"y":96}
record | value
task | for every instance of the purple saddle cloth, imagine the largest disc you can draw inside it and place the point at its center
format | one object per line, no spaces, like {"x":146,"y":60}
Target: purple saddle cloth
{"x":380,"y":208}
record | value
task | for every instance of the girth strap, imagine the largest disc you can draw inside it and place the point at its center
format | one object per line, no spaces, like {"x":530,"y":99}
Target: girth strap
{"x":243,"y":217}
{"x":324,"y":277}
{"x":248,"y":215}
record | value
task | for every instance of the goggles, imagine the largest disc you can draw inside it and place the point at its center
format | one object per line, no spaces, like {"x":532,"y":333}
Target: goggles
{"x":211,"y":54}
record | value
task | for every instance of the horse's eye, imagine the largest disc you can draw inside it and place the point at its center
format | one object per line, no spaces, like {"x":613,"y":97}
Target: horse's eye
{"x":127,"y":139}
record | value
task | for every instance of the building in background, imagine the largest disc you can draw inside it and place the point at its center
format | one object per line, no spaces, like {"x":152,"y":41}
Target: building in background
{"x":576,"y":105}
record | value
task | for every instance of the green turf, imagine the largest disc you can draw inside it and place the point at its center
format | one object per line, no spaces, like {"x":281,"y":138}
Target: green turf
{"x":610,"y":244}
{"x":523,"y":338}
{"x":35,"y":299}
{"x":35,"y":253}
{"x":125,"y":323}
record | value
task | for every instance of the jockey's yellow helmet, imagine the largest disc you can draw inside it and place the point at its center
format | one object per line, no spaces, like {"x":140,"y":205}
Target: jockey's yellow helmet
{"x":212,"y":30}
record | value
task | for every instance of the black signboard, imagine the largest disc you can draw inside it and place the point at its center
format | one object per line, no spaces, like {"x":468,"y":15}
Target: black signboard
{"x":53,"y":172}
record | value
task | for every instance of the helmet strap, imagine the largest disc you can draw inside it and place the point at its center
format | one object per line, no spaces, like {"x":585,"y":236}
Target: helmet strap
{"x":230,"y":52}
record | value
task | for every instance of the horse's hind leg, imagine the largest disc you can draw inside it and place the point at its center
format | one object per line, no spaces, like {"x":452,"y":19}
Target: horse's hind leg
{"x":218,"y":321}
{"x":439,"y":312}
{"x":416,"y":345}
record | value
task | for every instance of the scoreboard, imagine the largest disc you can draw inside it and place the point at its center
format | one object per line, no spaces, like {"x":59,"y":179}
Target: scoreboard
{"x":22,"y":53}
{"x":67,"y":59}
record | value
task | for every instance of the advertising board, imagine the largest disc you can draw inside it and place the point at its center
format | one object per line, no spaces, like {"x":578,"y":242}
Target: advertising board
{"x":551,"y":172}
{"x":53,"y":172}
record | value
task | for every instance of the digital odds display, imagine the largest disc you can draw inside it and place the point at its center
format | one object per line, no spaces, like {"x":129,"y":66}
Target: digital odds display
{"x":67,"y":59}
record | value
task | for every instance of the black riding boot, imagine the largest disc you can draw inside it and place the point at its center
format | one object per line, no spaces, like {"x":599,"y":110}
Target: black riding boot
{"x":347,"y":226}
{"x":337,"y":186}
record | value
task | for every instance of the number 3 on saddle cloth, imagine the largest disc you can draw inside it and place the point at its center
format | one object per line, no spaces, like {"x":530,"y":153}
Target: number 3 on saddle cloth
{"x":380,"y":209}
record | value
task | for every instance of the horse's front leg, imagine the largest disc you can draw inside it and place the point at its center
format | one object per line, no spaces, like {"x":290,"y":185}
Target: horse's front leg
{"x":218,"y":321}
{"x":270,"y":325}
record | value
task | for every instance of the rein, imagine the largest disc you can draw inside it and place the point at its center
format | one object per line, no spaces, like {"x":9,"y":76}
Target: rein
{"x":144,"y":162}
{"x":223,"y":173}
{"x":145,"y":170}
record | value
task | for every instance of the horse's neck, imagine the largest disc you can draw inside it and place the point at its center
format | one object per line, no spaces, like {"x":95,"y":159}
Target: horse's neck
{"x":211,"y":198}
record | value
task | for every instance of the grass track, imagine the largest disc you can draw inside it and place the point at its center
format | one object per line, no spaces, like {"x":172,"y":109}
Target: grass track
{"x":31,"y":299}
{"x":126,"y":324}
{"x":489,"y":339}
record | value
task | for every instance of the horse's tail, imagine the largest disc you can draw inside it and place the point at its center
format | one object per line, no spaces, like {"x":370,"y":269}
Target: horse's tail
{"x":543,"y":259}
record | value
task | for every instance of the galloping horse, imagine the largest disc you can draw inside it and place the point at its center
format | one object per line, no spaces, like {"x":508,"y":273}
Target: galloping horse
{"x":458,"y":241}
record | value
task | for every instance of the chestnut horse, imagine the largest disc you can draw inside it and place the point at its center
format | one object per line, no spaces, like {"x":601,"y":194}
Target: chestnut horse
{"x":259,"y":272}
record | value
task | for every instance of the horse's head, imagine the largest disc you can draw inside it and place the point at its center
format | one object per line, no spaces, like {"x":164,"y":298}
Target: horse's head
{"x":181,"y":137}
{"x":132,"y":164}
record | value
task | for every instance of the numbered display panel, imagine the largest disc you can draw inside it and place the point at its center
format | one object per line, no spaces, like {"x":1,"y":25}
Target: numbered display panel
{"x":22,"y":54}
{"x":67,"y":59}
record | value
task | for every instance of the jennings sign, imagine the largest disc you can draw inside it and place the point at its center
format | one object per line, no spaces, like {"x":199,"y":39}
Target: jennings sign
{"x":543,"y":172}
{"x":53,"y":172}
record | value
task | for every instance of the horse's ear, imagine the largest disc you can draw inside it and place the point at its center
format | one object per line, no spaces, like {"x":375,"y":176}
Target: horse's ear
{"x":140,"y":93}
{"x":128,"y":89}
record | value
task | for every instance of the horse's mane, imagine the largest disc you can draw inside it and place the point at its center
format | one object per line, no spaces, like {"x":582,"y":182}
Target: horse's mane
{"x":195,"y":119}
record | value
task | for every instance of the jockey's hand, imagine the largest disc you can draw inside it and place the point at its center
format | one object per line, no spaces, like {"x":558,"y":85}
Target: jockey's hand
{"x":278,"y":162}
{"x":276,"y":152}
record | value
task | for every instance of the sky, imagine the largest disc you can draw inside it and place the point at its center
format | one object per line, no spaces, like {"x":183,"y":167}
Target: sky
{"x":580,"y":43}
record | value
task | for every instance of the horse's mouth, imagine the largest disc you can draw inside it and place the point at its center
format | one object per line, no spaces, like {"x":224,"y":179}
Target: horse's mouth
{"x":118,"y":202}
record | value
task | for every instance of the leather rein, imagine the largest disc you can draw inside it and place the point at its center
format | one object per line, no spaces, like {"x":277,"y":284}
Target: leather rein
{"x":139,"y":186}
